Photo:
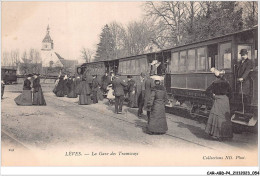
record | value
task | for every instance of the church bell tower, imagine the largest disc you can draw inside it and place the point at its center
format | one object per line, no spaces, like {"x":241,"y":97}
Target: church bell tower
{"x":47,"y":42}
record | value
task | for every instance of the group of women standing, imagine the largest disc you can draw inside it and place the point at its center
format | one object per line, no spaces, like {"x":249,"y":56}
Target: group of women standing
{"x":84,"y":87}
{"x":32,"y":92}
{"x":153,"y":99}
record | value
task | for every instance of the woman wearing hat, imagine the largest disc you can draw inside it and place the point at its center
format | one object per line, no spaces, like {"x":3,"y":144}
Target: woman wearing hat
{"x":84,"y":91}
{"x":38,"y":98}
{"x":25,"y":99}
{"x":157,"y":123}
{"x":219,"y":124}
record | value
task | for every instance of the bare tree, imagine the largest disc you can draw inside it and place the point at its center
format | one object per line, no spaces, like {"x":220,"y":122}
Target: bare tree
{"x":87,"y":54}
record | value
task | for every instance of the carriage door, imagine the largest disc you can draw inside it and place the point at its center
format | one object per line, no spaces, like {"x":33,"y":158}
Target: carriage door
{"x":213,"y":56}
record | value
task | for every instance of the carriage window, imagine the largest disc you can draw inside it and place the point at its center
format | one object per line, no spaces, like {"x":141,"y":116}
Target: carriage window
{"x":143,"y":65}
{"x":137,"y":66}
{"x":182,"y":63}
{"x":132,"y":66}
{"x":225,"y":56}
{"x":128,"y":67}
{"x":191,"y":60}
{"x":174,"y":62}
{"x":201,"y":55}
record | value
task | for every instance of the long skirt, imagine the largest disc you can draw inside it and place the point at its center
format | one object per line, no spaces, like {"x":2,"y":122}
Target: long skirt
{"x":60,"y":93}
{"x":72,"y":94}
{"x":100,"y":95}
{"x":85,"y":99}
{"x":38,"y":98}
{"x":25,"y":99}
{"x":219,"y":124}
{"x":157,"y":122}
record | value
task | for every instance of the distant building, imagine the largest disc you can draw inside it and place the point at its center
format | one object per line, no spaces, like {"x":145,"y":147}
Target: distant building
{"x":52,"y":62}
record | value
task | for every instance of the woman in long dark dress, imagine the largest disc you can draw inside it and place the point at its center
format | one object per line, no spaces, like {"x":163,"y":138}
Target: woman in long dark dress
{"x":59,"y":91}
{"x":38,"y":98}
{"x":25,"y":99}
{"x":84,"y":92}
{"x":219,"y":124}
{"x":72,"y":87}
{"x":157,"y":123}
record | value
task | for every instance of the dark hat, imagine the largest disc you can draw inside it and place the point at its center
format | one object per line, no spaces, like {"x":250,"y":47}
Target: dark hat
{"x":94,"y":75}
{"x":243,"y":52}
{"x":29,"y":75}
{"x":129,"y":76}
{"x":143,"y":74}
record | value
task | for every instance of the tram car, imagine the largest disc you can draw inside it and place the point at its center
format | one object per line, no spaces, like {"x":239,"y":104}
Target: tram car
{"x":186,"y":72}
{"x":8,"y":75}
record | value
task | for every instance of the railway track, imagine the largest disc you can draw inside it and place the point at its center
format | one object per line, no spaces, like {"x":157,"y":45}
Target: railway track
{"x":5,"y":136}
{"x":126,"y":121}
{"x":119,"y":118}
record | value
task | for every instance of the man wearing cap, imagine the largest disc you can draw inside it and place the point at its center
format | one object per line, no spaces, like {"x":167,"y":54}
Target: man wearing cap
{"x":244,"y":68}
{"x":131,"y":88}
{"x":118,"y":86}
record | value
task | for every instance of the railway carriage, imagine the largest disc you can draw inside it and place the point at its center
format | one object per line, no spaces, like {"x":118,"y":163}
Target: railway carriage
{"x":189,"y":73}
{"x":186,"y":72}
{"x":8,"y":75}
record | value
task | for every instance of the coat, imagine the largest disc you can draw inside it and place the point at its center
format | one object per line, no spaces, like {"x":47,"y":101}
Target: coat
{"x":149,"y":84}
{"x":72,"y":91}
{"x":131,"y":88}
{"x":27,"y":85}
{"x":59,"y":90}
{"x":84,"y":92}
{"x":157,"y":122}
{"x":118,"y":86}
{"x":38,"y":98}
{"x":243,"y":72}
{"x":95,"y":85}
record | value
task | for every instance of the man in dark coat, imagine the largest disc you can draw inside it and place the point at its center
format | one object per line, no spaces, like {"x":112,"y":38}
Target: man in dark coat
{"x":149,"y":84}
{"x":141,"y":92}
{"x":118,"y":86}
{"x":131,"y":89}
{"x":244,"y":68}
{"x":95,"y":87}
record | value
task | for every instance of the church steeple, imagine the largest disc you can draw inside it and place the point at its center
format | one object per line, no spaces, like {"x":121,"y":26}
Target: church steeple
{"x":47,"y":42}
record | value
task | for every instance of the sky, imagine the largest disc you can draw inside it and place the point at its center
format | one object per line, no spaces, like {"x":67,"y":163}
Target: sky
{"x":73,"y":25}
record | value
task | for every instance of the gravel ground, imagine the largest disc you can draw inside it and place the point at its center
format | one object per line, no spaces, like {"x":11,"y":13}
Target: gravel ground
{"x":62,"y":126}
